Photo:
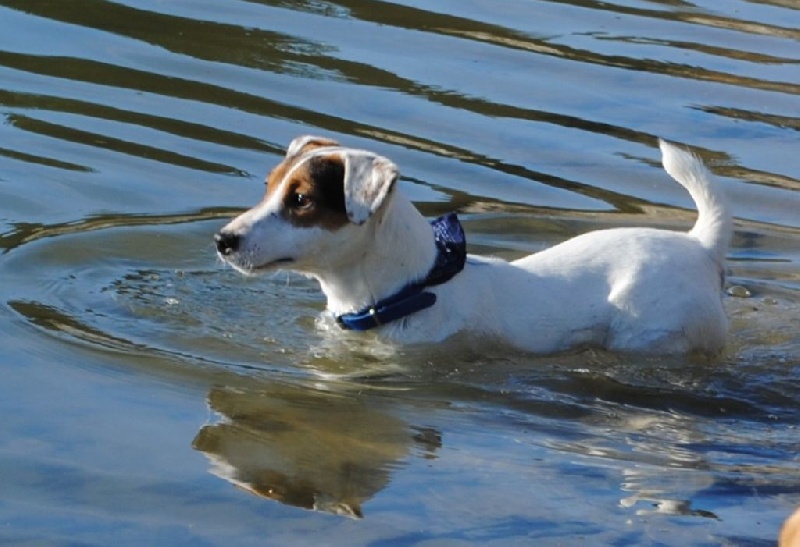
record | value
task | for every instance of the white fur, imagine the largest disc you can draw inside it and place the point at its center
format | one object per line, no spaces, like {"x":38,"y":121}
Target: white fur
{"x":631,"y":289}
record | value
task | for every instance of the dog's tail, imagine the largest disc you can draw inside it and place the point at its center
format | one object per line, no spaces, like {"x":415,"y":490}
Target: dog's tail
{"x":714,"y":224}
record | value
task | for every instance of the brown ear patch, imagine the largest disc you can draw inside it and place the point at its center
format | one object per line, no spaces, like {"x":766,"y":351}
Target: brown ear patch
{"x":315,"y":194}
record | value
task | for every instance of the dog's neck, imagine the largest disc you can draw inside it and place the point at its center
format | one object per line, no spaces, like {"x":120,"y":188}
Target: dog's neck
{"x":398,"y":248}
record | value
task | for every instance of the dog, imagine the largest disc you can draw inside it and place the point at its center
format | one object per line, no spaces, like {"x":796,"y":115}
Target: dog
{"x":335,"y":214}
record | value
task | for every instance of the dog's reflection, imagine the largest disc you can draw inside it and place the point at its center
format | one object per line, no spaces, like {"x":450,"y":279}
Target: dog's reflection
{"x":316,"y":450}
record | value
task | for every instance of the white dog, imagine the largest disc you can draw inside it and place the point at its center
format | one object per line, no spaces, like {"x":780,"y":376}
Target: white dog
{"x":333,"y":213}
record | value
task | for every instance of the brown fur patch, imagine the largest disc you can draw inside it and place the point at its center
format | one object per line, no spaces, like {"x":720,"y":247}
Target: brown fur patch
{"x":314,"y":194}
{"x":277,"y":175}
{"x":317,"y":142}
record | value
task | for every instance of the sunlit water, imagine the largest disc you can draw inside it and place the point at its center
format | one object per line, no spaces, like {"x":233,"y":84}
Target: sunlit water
{"x":142,"y":381}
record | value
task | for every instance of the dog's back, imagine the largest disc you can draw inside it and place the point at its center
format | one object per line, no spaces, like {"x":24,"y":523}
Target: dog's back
{"x":633,"y":289}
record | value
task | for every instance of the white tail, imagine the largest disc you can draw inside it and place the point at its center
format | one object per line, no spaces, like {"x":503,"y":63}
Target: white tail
{"x":713,"y":227}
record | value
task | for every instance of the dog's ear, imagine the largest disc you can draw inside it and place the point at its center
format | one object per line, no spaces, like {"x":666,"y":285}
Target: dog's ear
{"x":306,"y":143}
{"x":368,"y":180}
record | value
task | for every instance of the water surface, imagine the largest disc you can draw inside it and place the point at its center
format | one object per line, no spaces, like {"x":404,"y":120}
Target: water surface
{"x":143,"y":382}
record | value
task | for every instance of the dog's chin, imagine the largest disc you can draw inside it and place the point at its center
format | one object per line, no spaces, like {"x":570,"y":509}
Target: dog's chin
{"x":279,"y":264}
{"x":257,"y":269}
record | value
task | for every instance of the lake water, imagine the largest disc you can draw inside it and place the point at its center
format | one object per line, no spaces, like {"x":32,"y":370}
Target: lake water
{"x":152,"y":396}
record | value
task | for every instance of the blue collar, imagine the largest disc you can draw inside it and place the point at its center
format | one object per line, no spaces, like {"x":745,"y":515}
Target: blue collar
{"x":451,"y":246}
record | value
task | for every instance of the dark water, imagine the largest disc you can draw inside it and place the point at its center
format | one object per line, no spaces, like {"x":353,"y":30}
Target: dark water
{"x":141,"y":380}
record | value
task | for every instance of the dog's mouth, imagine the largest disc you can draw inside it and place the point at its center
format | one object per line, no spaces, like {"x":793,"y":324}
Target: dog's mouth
{"x":248,"y":268}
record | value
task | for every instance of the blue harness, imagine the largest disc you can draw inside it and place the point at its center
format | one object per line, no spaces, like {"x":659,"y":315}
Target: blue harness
{"x":451,"y":246}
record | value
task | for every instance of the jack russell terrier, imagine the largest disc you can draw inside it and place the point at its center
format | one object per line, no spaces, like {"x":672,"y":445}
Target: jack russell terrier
{"x":333,"y":213}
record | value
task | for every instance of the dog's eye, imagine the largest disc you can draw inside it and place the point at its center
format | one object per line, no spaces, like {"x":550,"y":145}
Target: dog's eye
{"x":300,"y":201}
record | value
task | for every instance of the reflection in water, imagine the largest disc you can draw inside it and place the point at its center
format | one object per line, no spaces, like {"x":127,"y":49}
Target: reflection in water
{"x":310,"y":449}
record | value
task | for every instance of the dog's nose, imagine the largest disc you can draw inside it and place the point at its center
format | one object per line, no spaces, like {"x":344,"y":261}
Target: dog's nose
{"x":226,"y":242}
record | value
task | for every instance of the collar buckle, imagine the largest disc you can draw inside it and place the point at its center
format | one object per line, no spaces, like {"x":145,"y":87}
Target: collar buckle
{"x":373,"y":313}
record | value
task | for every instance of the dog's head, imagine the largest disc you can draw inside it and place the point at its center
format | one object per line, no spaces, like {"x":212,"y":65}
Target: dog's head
{"x":317,"y":201}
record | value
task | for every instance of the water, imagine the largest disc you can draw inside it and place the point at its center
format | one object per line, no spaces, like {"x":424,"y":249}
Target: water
{"x":142,"y":381}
